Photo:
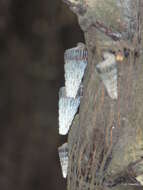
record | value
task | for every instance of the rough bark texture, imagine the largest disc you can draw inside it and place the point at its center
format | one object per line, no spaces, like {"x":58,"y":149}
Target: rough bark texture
{"x":106,"y":138}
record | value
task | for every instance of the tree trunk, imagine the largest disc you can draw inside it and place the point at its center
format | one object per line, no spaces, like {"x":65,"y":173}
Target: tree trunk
{"x":106,"y":138}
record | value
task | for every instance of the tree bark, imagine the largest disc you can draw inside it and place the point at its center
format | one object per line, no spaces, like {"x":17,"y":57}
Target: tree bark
{"x":106,"y":138}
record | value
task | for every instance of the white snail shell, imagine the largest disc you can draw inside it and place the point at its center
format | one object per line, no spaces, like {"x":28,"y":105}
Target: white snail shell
{"x":75,"y":64}
{"x":108,"y":73}
{"x":67,"y":110}
{"x":63,"y":155}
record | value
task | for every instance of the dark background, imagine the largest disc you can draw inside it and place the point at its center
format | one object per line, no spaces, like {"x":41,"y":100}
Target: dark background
{"x":33,"y":37}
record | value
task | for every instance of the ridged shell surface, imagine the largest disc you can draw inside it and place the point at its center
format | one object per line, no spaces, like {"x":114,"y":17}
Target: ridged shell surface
{"x":63,"y":155}
{"x":108,"y":73}
{"x":75,"y":64}
{"x":67,"y":110}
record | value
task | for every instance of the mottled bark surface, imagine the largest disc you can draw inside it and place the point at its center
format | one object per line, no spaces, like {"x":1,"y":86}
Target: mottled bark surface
{"x":106,"y":138}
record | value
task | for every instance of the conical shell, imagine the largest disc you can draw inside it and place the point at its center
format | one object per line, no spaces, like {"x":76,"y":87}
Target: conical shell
{"x":108,"y":73}
{"x":75,"y":64}
{"x":67,"y":110}
{"x":63,"y":155}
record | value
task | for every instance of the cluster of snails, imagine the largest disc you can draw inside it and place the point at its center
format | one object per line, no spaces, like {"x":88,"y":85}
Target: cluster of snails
{"x":69,"y":96}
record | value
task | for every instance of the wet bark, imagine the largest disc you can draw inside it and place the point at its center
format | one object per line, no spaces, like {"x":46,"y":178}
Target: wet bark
{"x":106,"y":138}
